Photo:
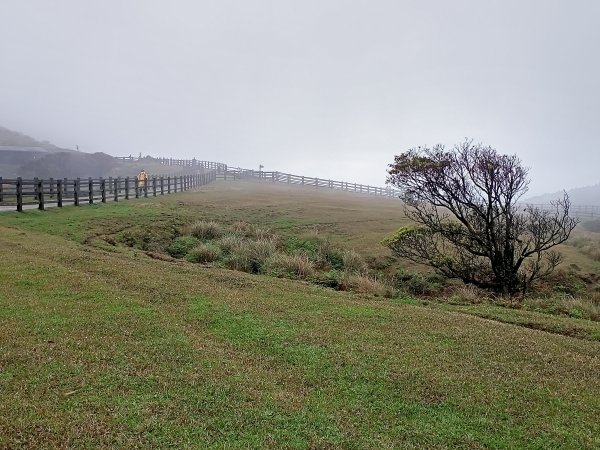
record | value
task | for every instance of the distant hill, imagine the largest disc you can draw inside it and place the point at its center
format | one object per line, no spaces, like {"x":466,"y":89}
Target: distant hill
{"x":13,"y":139}
{"x":588,"y":195}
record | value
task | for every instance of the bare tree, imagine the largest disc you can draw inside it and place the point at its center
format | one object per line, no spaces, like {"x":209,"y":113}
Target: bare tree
{"x":469,"y":224}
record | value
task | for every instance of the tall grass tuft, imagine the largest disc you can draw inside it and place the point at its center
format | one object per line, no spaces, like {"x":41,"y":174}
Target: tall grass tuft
{"x":251,"y":255}
{"x":204,"y":253}
{"x":230,"y":242}
{"x":205,"y":231}
{"x":353,"y":262}
{"x":365,"y":284}
{"x":297,"y":265}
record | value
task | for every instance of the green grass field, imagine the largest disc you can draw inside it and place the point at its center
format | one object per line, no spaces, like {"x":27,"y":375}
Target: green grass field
{"x":108,"y":346}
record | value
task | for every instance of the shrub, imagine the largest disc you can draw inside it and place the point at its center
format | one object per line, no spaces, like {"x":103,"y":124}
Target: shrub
{"x":204,"y":253}
{"x":297,"y":265}
{"x":353,"y":262}
{"x":206,"y":230}
{"x":182,"y":245}
{"x":329,"y":256}
{"x":307,"y":247}
{"x":417,"y":283}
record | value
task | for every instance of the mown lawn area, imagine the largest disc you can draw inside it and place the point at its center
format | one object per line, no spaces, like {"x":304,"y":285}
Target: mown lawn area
{"x":104,"y":346}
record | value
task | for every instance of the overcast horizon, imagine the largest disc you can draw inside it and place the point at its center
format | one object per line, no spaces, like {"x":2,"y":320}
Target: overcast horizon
{"x":331,"y":89}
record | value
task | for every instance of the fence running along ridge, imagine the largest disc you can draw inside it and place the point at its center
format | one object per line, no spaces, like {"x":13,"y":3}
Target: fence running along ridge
{"x":299,"y":180}
{"x":579,"y":211}
{"x":188,"y":163}
{"x":225,"y":172}
{"x":40,"y":193}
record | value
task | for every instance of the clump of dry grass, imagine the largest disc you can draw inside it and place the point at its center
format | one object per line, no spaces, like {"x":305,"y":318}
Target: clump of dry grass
{"x":467,"y":294}
{"x":365,"y":284}
{"x":353,"y":262}
{"x":204,"y":253}
{"x":230,"y":242}
{"x":264,"y":233}
{"x":251,"y":255}
{"x":205,"y":231}
{"x":241,"y":228}
{"x":298,"y":265}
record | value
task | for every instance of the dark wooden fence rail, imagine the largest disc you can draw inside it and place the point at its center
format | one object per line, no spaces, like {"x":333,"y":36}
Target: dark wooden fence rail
{"x":19,"y":192}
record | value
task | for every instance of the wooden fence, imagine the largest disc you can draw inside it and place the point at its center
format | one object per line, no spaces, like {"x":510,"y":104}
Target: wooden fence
{"x":188,"y":163}
{"x":300,"y":180}
{"x":580,"y":211}
{"x":225,"y":172}
{"x":19,"y":193}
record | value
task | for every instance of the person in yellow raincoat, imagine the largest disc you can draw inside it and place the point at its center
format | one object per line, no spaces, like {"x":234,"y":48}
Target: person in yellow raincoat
{"x":142,"y":181}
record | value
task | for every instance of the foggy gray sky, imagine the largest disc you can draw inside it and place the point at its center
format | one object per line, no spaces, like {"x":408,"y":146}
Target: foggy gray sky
{"x":325,"y":88}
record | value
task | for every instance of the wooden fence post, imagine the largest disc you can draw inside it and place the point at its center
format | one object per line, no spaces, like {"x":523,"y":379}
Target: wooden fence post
{"x":137,"y":187}
{"x":145,"y":187}
{"x":76,"y":191}
{"x":154,"y":186}
{"x":116,"y":188}
{"x":175,"y":183}
{"x":59,"y":193}
{"x":35,"y":188}
{"x":40,"y":189}
{"x":19,"y":194}
{"x":126,"y":188}
{"x":1,"y":190}
{"x":103,"y":189}
{"x":91,"y":191}
{"x":162,"y":185}
{"x":169,"y":184}
{"x":51,"y":187}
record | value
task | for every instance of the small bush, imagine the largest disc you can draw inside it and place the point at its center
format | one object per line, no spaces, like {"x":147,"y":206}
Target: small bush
{"x":329,"y":256}
{"x":297,"y":265}
{"x":353,"y":262}
{"x":204,"y":253}
{"x":417,"y":283}
{"x":182,"y":245}
{"x":206,"y":230}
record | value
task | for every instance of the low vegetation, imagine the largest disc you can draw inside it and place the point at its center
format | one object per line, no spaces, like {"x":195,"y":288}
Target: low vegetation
{"x":121,"y":329}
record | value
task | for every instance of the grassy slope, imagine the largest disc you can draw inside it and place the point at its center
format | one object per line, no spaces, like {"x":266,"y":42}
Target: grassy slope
{"x":113,"y":348}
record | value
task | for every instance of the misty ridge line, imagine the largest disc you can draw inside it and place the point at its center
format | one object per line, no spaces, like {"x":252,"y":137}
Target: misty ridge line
{"x":193,"y":167}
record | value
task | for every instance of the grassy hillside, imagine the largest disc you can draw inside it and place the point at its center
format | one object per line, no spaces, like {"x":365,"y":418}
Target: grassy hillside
{"x":104,"y":345}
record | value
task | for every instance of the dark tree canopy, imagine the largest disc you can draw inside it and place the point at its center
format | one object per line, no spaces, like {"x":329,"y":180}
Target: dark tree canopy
{"x":469,"y":222}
